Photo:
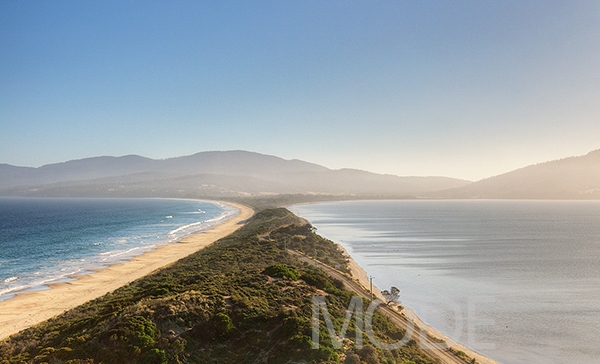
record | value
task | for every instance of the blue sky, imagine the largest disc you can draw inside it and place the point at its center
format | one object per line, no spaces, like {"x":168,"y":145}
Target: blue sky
{"x":465,"y":89}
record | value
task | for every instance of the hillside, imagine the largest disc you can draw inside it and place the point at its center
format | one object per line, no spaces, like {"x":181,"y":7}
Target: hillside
{"x":243,"y":299}
{"x":206,"y":174}
{"x":228,"y":163}
{"x":568,"y":178}
{"x":235,"y":174}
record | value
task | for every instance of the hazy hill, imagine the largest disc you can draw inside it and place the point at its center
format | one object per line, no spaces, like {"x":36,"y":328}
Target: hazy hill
{"x":354,"y":181}
{"x":233,"y":163}
{"x":230,"y":173}
{"x":568,"y":178}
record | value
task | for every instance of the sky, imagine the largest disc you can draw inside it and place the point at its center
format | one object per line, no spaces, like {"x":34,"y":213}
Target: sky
{"x":465,"y":89}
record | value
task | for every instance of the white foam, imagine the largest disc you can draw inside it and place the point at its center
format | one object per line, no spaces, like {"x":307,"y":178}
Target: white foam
{"x":8,"y":280}
{"x":185,"y":228}
{"x":61,"y":271}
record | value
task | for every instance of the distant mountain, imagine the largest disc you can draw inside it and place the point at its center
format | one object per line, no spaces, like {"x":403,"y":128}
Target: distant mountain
{"x":354,"y":181}
{"x":205,"y":174}
{"x":569,"y":178}
{"x":75,"y":170}
{"x":231,"y":163}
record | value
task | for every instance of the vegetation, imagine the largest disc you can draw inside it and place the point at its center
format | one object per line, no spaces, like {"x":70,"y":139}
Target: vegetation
{"x":461,"y":354}
{"x":281,"y":271}
{"x":243,"y":299}
{"x":391,"y":296}
{"x":262,"y":202}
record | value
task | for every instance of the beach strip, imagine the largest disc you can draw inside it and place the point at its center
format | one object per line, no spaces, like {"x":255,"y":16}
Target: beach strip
{"x":361,"y":276}
{"x":29,"y":308}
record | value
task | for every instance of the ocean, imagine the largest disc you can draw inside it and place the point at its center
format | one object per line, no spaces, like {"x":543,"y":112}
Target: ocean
{"x":47,"y":240}
{"x":517,"y":281}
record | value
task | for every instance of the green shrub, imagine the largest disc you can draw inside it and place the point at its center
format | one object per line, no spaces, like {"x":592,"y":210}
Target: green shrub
{"x":327,"y":354}
{"x":352,"y":358}
{"x":162,"y":291}
{"x":369,"y":355}
{"x":135,"y":331}
{"x":281,"y":271}
{"x":154,"y":356}
{"x":316,"y":279}
{"x":223,"y":324}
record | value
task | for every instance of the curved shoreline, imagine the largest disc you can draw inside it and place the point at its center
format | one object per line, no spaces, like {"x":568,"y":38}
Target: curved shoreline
{"x":361,"y":275}
{"x":29,"y":308}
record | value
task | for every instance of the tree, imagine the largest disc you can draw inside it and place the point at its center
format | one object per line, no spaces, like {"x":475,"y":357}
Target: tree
{"x":352,"y":358}
{"x":369,"y":355}
{"x":391,"y":296}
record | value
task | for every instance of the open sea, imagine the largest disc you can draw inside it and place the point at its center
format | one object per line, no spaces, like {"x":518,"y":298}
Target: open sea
{"x":46,"y":240}
{"x":517,"y":281}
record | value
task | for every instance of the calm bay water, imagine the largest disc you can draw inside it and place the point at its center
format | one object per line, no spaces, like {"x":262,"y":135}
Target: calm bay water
{"x":518,"y":281}
{"x":48,"y":240}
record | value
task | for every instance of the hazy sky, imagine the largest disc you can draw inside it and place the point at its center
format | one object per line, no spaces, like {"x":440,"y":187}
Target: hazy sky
{"x":465,"y":89}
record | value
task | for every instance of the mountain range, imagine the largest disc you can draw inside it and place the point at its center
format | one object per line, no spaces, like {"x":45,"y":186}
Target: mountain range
{"x":206,"y":174}
{"x":240,"y":173}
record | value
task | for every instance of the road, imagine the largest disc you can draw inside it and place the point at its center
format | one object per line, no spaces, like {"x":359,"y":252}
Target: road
{"x":429,"y":346}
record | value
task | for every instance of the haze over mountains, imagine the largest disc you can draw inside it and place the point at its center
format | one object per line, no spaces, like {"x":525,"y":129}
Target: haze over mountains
{"x":205,"y":174}
{"x":568,"y":178}
{"x":242,"y":173}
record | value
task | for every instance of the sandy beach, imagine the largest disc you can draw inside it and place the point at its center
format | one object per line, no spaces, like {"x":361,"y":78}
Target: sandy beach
{"x":29,"y":308}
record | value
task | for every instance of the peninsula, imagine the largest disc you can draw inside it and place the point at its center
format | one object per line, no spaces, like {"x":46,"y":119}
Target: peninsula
{"x":244,"y":298}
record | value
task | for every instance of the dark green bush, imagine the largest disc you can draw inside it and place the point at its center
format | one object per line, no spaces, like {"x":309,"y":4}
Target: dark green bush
{"x":223,"y":324}
{"x":135,"y":331}
{"x":281,"y":271}
{"x":154,"y":356}
{"x":316,"y":279}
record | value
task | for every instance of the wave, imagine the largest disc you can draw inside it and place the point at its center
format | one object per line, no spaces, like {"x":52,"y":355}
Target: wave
{"x":99,"y":251}
{"x":36,"y":282}
{"x":195,"y":212}
{"x":186,"y":228}
{"x":120,"y":253}
{"x":63,"y":271}
{"x":200,"y":225}
{"x":8,"y":280}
